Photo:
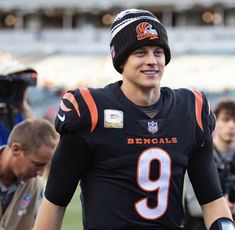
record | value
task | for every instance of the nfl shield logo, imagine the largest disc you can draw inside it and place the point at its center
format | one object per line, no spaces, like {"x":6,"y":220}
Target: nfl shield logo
{"x":152,"y":126}
{"x":25,"y":200}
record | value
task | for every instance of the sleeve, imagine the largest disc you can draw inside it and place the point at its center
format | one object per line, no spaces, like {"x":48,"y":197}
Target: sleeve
{"x":68,"y":165}
{"x":202,"y":169}
{"x":205,"y":118}
{"x":77,"y":112}
{"x":203,"y":173}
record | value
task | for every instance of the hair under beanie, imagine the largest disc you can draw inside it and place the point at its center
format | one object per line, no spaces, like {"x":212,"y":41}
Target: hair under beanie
{"x":132,"y":29}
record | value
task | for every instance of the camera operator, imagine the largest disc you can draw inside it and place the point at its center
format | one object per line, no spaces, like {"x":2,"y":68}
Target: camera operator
{"x":23,"y":160}
{"x":224,"y":155}
{"x":14,"y":107}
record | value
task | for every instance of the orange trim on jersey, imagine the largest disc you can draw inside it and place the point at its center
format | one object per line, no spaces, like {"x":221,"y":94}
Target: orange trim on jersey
{"x":91,"y":106}
{"x":209,"y":107}
{"x":71,"y":98}
{"x":198,"y":107}
{"x":64,"y":107}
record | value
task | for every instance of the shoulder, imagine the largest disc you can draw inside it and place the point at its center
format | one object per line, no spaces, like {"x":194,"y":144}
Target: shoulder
{"x":78,"y":110}
{"x":195,"y":105}
{"x":178,"y":96}
{"x":179,"y":99}
{"x":183,"y":94}
{"x":204,"y":116}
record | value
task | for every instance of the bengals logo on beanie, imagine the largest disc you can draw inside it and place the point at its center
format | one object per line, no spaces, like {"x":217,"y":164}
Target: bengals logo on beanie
{"x":132,"y":29}
{"x":145,"y":30}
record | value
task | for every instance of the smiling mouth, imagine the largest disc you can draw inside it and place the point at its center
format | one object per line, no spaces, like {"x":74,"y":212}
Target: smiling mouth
{"x":149,"y":72}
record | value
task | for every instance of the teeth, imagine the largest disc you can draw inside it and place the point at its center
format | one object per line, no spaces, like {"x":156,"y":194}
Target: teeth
{"x":150,"y":72}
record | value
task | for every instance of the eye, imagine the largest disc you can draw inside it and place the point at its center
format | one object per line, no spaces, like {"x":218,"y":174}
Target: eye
{"x":39,"y":165}
{"x":139,"y":53}
{"x":158,"y":52}
{"x":226,"y":119}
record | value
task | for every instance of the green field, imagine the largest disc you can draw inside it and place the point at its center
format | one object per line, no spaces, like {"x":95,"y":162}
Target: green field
{"x":73,"y":216}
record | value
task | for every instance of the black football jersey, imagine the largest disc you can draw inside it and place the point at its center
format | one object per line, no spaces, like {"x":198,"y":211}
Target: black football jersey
{"x":131,"y":166}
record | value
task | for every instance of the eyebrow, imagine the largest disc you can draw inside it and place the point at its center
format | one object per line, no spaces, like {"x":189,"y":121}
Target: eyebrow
{"x":39,"y":163}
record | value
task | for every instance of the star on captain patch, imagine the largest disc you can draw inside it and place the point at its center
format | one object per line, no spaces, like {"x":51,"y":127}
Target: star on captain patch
{"x":113,"y":118}
{"x":152,"y":127}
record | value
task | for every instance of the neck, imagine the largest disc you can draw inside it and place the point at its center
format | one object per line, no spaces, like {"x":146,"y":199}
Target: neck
{"x":141,"y":96}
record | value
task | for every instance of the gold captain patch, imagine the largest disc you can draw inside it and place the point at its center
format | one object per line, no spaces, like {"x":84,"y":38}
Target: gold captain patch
{"x":113,"y":118}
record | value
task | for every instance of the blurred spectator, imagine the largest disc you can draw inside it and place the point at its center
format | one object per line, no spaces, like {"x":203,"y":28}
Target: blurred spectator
{"x":29,"y":150}
{"x":50,"y":114}
{"x":224,"y":155}
{"x":52,"y":108}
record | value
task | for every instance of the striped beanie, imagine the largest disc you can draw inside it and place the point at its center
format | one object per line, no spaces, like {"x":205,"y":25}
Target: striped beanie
{"x":132,"y":29}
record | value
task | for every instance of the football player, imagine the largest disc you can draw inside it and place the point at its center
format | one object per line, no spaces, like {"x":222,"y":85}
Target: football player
{"x":129,"y":144}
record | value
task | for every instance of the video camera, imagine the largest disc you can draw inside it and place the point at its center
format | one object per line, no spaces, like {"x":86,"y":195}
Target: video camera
{"x":13,"y":85}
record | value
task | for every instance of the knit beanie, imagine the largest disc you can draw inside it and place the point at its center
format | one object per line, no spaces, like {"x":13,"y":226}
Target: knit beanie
{"x":133,"y":29}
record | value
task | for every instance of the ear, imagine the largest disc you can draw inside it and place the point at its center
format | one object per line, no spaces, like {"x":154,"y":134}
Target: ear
{"x":16,"y":149}
{"x":122,"y":67}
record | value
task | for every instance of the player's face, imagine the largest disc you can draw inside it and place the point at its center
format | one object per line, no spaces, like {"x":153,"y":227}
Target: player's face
{"x":32,"y":164}
{"x":225,"y":127}
{"x":144,"y":67}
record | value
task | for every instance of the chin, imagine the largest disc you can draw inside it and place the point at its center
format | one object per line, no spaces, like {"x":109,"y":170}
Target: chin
{"x":151,"y":85}
{"x":25,"y":178}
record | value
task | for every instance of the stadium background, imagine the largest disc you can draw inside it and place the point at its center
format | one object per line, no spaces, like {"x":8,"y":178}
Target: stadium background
{"x":67,"y":43}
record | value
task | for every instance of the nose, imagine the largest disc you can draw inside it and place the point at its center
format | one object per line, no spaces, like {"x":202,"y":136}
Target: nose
{"x":150,"y":58}
{"x":40,"y":171}
{"x":231,"y":123}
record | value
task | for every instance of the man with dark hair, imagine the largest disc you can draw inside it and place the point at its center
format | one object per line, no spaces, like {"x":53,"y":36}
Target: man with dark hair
{"x":130,"y":143}
{"x":224,"y":155}
{"x":29,"y":149}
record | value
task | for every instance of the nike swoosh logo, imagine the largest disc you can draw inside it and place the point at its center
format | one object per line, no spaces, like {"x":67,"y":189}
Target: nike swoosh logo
{"x":62,"y":118}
